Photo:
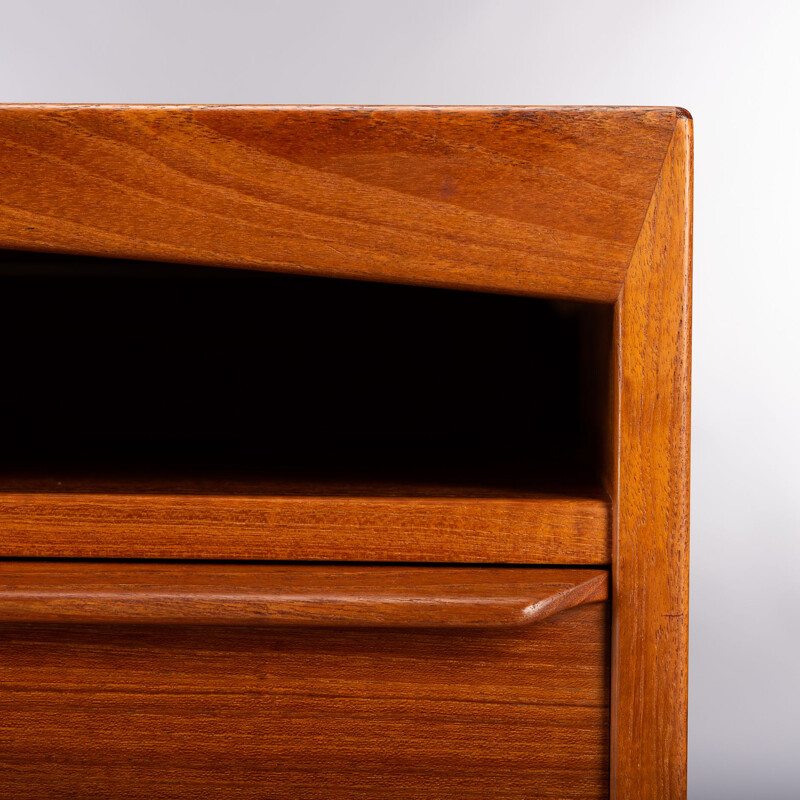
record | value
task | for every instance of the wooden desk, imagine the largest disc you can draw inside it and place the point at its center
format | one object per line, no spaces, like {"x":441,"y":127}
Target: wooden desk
{"x":396,"y":505}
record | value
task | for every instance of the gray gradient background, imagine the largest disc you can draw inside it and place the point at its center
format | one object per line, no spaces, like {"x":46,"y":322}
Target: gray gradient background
{"x":735,"y":66}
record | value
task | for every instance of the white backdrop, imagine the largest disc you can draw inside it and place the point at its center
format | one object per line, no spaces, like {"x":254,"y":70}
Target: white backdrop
{"x":736,"y":67}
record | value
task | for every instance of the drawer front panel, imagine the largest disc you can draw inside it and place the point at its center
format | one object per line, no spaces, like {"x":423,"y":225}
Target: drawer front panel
{"x":292,"y":711}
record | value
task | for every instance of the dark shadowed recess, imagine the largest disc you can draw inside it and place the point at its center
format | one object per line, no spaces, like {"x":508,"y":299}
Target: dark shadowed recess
{"x":132,"y":368}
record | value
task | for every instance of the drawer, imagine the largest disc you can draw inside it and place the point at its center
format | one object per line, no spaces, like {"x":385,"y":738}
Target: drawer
{"x":137,"y":680}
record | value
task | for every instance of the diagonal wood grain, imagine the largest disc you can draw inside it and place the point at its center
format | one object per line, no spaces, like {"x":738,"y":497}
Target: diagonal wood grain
{"x":545,"y":201}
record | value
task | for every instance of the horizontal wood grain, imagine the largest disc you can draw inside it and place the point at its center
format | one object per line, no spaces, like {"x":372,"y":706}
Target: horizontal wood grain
{"x":110,"y":712}
{"x":290,"y":595}
{"x":312,"y":521}
{"x":586,"y":204}
{"x":525,"y":200}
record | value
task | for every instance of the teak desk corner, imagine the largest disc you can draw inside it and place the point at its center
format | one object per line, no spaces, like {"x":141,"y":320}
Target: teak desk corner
{"x":396,"y":505}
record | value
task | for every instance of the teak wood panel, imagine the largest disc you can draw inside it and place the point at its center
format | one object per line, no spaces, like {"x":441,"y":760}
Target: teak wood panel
{"x":131,"y":711}
{"x":291,"y":595}
{"x":644,"y":268}
{"x":649,"y":479}
{"x":527,"y":200}
{"x":227,"y":521}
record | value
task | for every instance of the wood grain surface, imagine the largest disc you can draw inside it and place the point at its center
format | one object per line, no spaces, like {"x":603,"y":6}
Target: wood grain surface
{"x":334,"y":521}
{"x":525,"y":200}
{"x":571,"y":203}
{"x":651,"y":495}
{"x":110,"y":712}
{"x":290,"y":595}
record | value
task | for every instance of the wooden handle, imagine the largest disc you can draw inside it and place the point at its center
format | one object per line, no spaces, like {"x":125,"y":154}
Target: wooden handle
{"x":291,"y":595}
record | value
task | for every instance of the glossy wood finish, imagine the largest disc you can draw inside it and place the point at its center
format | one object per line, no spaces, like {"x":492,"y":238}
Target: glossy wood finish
{"x":290,"y":595}
{"x":650,"y":485}
{"x":130,"y":712}
{"x":334,"y":521}
{"x":581,"y":204}
{"x":526,"y":200}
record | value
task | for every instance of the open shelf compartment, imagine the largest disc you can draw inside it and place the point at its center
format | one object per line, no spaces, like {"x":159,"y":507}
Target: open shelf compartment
{"x":165,"y":411}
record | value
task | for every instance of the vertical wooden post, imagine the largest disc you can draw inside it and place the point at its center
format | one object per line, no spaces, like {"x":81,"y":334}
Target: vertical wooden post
{"x":650,"y":484}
